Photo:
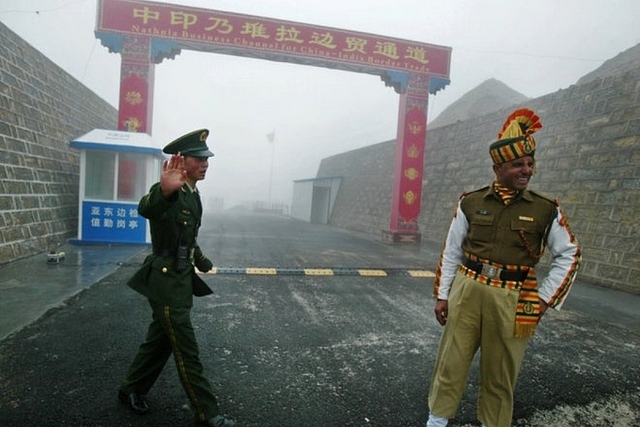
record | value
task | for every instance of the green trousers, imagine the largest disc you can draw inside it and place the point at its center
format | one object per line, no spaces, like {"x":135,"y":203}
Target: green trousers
{"x":480,"y":317}
{"x":171,"y":332}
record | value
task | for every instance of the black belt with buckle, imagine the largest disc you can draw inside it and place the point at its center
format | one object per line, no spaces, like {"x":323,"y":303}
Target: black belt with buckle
{"x":493,"y":272}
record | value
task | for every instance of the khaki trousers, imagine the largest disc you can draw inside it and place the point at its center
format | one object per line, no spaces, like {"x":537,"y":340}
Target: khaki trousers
{"x":480,"y":317}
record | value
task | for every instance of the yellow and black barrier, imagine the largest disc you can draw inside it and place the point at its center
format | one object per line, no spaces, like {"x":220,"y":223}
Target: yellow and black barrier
{"x":321,"y":271}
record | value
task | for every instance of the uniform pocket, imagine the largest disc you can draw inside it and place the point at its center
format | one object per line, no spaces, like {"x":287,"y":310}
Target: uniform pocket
{"x":481,"y":228}
{"x":529,"y":236}
{"x":185,"y":218}
{"x":186,"y":227}
{"x":527,"y":227}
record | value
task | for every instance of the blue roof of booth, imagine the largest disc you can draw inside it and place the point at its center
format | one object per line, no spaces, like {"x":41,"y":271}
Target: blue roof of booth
{"x":115,"y":140}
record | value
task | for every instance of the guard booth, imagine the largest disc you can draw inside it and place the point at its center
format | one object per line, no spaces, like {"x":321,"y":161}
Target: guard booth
{"x":116,"y":170}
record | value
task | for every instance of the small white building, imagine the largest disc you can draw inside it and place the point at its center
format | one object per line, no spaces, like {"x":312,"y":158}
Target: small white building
{"x":117,"y":168}
{"x":313,"y":198}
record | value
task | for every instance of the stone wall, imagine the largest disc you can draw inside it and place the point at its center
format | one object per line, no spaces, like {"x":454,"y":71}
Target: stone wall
{"x":588,"y":156}
{"x":42,"y":108}
{"x":364,"y":196}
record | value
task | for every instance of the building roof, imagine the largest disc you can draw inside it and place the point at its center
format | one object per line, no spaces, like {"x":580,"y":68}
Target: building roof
{"x":114,"y":140}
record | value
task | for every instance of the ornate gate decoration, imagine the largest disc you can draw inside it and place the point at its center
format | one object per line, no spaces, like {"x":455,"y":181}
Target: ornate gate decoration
{"x":145,"y":33}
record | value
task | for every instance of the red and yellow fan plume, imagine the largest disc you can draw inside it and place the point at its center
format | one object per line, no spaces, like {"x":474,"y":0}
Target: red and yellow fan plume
{"x":522,"y":122}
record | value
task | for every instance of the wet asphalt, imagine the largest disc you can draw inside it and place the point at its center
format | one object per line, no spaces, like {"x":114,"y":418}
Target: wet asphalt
{"x":287,"y":349}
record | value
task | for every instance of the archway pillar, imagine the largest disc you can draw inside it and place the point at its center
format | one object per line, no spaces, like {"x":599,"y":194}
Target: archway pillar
{"x":137,"y":77}
{"x":409,"y":163}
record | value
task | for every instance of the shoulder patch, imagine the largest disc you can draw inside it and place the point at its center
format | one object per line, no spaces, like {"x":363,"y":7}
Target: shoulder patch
{"x":544,"y":196}
{"x":466,"y":193}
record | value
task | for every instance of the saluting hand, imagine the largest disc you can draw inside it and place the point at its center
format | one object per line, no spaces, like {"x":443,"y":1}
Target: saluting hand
{"x":173,"y":175}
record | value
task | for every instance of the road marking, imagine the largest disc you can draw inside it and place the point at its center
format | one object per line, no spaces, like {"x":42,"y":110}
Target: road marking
{"x":318,"y":272}
{"x":421,"y":273}
{"x":260,"y":270}
{"x":377,"y":273}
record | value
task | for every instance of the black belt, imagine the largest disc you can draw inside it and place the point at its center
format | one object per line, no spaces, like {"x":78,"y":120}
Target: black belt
{"x":494,"y":272}
{"x":163,"y":252}
{"x":170,"y":253}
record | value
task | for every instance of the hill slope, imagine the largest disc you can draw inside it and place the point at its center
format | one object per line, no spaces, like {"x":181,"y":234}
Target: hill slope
{"x":490,"y":95}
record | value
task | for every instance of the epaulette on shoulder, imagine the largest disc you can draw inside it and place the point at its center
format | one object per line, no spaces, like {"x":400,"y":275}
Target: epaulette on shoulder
{"x":545,"y":197}
{"x":466,"y":193}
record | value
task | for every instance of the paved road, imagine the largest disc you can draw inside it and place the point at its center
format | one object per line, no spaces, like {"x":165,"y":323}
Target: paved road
{"x":306,"y":351}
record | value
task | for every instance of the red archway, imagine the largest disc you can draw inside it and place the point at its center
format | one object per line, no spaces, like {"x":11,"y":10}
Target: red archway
{"x":145,"y":33}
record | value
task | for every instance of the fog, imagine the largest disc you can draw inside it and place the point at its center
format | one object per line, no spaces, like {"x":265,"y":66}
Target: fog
{"x":534,"y":47}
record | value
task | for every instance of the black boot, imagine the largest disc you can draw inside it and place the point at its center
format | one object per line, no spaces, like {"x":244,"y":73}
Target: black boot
{"x":136,"y":402}
{"x":218,"y":421}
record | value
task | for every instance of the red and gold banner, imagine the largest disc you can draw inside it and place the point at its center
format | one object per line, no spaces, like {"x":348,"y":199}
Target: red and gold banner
{"x":412,"y":168}
{"x":135,"y":111}
{"x":232,"y":33}
{"x":406,"y":199}
{"x":133,"y":104}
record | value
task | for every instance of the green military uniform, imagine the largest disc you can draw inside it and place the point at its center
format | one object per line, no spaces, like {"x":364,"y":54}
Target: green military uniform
{"x":169,"y":287}
{"x":174,"y":223}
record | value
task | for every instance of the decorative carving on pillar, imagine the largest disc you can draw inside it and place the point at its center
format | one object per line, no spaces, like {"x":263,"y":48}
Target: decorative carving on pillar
{"x":163,"y":49}
{"x":418,"y":92}
{"x":398,"y":80}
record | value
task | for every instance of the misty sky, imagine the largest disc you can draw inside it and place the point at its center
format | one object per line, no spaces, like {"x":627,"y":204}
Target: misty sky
{"x":535,"y":47}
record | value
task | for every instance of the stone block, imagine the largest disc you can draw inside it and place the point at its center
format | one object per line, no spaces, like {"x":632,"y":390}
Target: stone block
{"x":613,"y":272}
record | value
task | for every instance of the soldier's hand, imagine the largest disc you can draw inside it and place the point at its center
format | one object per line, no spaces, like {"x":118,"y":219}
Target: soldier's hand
{"x":204,"y":264}
{"x":543,"y":307}
{"x":442,"y":311}
{"x":173,"y":175}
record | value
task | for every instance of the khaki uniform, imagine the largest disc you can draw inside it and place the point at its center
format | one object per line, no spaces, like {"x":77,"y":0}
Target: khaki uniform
{"x":481,"y":312}
{"x":486,"y":274}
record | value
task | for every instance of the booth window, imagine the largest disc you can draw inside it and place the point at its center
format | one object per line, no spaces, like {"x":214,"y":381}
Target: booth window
{"x":132,"y":174}
{"x":102,"y":167}
{"x":99,"y":173}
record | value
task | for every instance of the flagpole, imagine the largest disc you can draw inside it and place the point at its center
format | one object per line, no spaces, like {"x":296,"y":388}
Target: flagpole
{"x":272,"y":139}
{"x":273,"y":150}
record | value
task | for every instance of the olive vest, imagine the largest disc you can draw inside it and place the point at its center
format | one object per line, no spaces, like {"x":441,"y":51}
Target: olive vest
{"x":509,"y":235}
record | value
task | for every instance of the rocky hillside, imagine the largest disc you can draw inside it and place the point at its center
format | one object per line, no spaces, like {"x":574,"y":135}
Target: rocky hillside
{"x":491,"y":95}
{"x":624,"y":61}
